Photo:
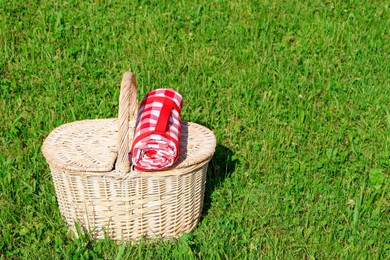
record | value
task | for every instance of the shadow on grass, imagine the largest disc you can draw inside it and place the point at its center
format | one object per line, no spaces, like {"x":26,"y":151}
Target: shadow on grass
{"x":221,"y":166}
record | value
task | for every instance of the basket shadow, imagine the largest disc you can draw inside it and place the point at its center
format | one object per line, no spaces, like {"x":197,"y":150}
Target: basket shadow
{"x":221,"y":166}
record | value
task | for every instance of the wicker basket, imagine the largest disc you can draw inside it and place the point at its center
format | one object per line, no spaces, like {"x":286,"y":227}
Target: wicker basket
{"x":97,"y":187}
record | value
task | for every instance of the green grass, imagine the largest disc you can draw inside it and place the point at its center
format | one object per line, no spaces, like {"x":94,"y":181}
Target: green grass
{"x":296,"y":92}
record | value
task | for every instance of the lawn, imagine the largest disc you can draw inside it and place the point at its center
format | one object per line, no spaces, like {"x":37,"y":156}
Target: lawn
{"x":297,"y":94}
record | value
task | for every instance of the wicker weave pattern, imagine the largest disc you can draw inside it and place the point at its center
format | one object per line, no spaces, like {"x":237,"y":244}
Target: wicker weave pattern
{"x":127,"y":209}
{"x":95,"y":186}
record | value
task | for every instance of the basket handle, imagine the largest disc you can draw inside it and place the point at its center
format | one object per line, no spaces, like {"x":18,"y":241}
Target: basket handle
{"x":128,"y":109}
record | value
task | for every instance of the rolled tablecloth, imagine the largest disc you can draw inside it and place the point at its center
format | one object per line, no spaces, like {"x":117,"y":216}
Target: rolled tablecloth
{"x":157,"y":132}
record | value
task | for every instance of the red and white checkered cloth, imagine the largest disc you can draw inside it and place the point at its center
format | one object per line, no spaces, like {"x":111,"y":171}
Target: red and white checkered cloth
{"x":157,"y":133}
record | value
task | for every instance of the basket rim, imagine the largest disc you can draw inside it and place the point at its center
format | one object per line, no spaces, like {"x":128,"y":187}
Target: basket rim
{"x":169,"y":172}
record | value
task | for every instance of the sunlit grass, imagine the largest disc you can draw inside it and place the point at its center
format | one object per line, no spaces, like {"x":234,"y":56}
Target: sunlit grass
{"x":296,"y":93}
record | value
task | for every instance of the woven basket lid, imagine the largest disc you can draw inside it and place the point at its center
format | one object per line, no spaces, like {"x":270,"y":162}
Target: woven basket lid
{"x":91,"y":145}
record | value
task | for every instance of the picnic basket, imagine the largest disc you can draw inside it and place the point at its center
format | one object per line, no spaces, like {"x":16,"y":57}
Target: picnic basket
{"x":97,"y":188}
